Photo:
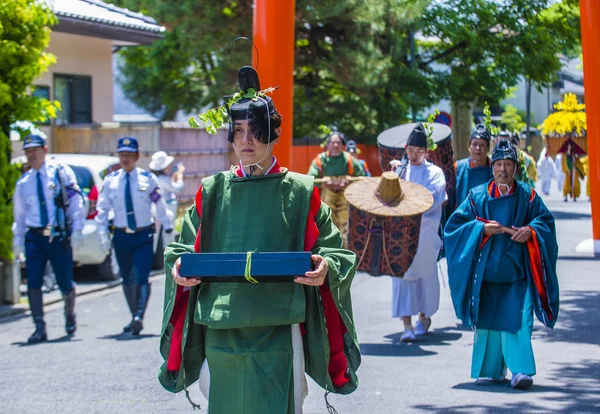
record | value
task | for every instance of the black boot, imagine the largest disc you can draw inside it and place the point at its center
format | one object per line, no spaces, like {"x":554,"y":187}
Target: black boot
{"x":70,"y":323}
{"x":143,"y":295}
{"x":36,"y":305}
{"x":130,"y":292}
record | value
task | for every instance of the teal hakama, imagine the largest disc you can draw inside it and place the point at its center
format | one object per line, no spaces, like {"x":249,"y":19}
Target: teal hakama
{"x":493,"y":351}
{"x":497,"y":283}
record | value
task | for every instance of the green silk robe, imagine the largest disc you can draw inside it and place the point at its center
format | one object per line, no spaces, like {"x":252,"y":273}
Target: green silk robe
{"x":264,"y":213}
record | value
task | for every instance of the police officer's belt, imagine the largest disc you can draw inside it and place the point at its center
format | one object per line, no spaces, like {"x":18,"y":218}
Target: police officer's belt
{"x":37,"y":230}
{"x":137,"y":230}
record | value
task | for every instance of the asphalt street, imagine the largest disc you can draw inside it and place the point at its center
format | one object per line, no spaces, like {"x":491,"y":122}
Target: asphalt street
{"x":100,"y":370}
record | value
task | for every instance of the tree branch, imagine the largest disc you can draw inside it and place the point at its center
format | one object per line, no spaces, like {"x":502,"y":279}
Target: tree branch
{"x":452,"y":49}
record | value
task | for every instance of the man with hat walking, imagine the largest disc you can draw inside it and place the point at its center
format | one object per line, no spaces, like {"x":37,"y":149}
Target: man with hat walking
{"x":476,"y":169}
{"x":130,"y":192}
{"x":419,"y":291}
{"x":337,"y":165}
{"x":48,"y":214}
{"x":171,"y":184}
{"x":501,"y":249}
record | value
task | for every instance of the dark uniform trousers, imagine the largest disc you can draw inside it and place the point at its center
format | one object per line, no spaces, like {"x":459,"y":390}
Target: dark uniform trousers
{"x":38,"y":250}
{"x":134,"y":254}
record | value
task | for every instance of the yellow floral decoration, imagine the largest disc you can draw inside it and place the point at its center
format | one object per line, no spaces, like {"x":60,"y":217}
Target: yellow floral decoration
{"x":569,"y":118}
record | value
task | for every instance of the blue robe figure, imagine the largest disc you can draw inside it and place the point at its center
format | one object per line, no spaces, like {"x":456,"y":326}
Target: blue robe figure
{"x":496,"y":283}
{"x":468,"y":177}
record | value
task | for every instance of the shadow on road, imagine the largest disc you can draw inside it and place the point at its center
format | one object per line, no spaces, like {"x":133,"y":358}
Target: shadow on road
{"x":581,"y":390}
{"x":576,"y":388}
{"x":394,"y":349}
{"x":14,"y":318}
{"x":127,"y":337}
{"x":569,"y":215}
{"x":515,"y":407}
{"x":578,"y":392}
{"x":578,"y":320}
{"x":66,"y":338}
{"x":393,"y":346}
{"x":578,"y":258}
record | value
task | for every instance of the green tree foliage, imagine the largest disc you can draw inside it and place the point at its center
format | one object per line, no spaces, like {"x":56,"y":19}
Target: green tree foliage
{"x":353,"y":62}
{"x":512,"y":118}
{"x":24,"y":35}
{"x":490,"y":44}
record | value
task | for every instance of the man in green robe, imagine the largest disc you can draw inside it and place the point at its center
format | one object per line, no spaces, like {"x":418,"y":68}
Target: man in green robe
{"x":251,"y":343}
{"x":334,"y":166}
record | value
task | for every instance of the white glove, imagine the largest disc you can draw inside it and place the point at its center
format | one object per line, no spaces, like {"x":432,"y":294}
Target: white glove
{"x":18,"y":250}
{"x":76,"y":240}
{"x":105,"y":244}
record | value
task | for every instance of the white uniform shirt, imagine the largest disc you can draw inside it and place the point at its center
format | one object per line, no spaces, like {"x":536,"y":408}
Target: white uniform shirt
{"x":169,"y":188}
{"x":26,"y":204}
{"x":144,"y":192}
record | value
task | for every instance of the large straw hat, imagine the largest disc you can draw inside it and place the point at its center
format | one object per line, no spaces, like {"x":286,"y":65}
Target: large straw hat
{"x":388,"y":196}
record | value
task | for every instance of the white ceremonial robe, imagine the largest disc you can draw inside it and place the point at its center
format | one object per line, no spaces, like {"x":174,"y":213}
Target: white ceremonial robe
{"x":547,"y":171}
{"x":419,"y":290}
{"x":560,"y":175}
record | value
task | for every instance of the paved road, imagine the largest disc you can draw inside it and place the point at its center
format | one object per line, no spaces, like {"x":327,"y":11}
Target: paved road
{"x":103,"y":371}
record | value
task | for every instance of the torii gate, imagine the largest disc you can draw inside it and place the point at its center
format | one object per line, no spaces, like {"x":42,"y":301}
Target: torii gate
{"x":590,"y":39}
{"x":273,"y":34}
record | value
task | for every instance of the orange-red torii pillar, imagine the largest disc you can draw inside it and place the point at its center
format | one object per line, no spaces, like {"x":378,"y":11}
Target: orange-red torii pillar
{"x":273,"y":35}
{"x":590,"y":41}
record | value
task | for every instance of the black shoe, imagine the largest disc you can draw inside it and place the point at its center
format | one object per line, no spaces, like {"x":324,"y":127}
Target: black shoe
{"x":39,"y":335}
{"x":70,"y":321}
{"x":70,"y":325}
{"x":143,"y":296}
{"x":36,"y":305}
{"x":128,"y":327}
{"x":137,"y":325}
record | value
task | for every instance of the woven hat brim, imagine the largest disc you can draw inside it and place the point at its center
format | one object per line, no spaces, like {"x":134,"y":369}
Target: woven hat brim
{"x":362,"y":195}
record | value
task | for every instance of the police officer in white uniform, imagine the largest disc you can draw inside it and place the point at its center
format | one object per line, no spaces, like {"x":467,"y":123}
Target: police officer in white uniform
{"x":130,"y":193}
{"x":48,"y":214}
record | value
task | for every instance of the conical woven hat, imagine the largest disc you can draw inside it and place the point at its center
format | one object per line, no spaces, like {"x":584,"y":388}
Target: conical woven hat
{"x":388,"y":195}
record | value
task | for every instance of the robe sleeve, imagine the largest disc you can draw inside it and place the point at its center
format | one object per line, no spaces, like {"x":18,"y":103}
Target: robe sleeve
{"x":340,"y":343}
{"x":542,"y":254}
{"x":313,"y":169}
{"x":180,"y":339}
{"x":359,"y":170}
{"x":463,"y":236}
{"x":437,"y":188}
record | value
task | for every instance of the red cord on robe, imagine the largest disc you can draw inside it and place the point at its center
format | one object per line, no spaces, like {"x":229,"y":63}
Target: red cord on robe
{"x":338,"y":365}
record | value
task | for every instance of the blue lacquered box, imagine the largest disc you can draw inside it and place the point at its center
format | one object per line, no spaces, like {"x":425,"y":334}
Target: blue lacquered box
{"x":231,"y":267}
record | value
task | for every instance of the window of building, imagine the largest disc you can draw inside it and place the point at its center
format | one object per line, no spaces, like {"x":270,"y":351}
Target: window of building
{"x":74,"y":93}
{"x":42,"y":91}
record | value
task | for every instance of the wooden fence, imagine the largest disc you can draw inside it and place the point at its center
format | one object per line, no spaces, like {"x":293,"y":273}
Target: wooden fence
{"x":201,"y":153}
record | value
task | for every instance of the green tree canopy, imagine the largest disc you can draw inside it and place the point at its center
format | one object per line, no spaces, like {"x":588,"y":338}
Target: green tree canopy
{"x":24,"y":36}
{"x":353,"y":62}
{"x":488,"y":45}
{"x":512,"y":118}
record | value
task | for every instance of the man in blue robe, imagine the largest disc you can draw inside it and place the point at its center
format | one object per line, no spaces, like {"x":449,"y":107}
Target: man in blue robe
{"x":476,"y":169}
{"x":502,"y":251}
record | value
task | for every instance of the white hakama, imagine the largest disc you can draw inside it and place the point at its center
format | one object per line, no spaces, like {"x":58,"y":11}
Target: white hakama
{"x":419,"y":290}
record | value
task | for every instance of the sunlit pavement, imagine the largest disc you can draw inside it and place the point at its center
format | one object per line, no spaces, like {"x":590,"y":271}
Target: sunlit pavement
{"x":100,"y":370}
